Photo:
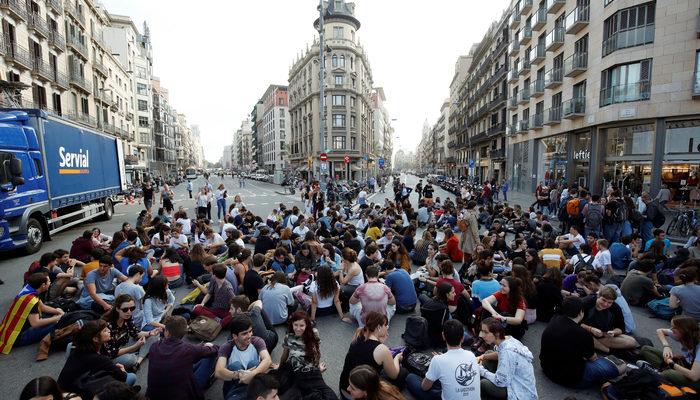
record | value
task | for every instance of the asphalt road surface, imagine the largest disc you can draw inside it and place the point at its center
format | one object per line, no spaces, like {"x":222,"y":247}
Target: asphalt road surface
{"x":19,"y":366}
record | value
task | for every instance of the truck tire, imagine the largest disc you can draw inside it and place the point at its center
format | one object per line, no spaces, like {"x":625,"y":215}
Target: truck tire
{"x":109,"y":210}
{"x":35,"y":236}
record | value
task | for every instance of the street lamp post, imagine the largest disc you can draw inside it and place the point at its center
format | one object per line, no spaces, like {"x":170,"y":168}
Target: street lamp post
{"x":322,"y":79}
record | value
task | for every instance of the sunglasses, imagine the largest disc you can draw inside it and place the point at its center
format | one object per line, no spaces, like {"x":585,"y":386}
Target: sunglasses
{"x":127,"y":309}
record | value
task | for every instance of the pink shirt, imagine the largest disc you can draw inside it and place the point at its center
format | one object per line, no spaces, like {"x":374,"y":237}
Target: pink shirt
{"x":374,"y":296}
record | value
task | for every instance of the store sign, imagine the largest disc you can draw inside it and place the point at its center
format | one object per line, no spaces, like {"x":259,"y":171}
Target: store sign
{"x":628,"y":113}
{"x":582,"y":155}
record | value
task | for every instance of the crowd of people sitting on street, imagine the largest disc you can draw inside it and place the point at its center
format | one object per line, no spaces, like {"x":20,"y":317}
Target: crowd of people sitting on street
{"x":472,"y":272}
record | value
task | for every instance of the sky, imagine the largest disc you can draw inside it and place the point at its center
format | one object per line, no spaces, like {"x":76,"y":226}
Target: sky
{"x":217,"y":58}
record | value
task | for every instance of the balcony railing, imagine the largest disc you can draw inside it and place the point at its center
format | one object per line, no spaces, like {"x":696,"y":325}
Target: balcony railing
{"x":637,"y":91}
{"x":553,"y":78}
{"x":576,"y":64}
{"x":498,"y":99}
{"x":629,"y":38}
{"x":80,"y":82}
{"x":41,"y":69}
{"x":497,"y":153}
{"x":77,"y":46}
{"x":514,"y":18}
{"x":574,"y":107}
{"x":39,"y":25}
{"x":522,"y":126}
{"x":514,"y":47}
{"x":555,"y":5}
{"x":18,"y":55}
{"x":100,"y":68}
{"x":82,"y":118}
{"x":552,"y":116}
{"x":526,"y":67}
{"x":513,"y":103}
{"x":74,"y":12}
{"x":540,"y":19}
{"x":577,"y":19}
{"x":55,"y":5}
{"x":16,"y":8}
{"x":537,"y":54}
{"x":60,"y":79}
{"x":524,"y":96}
{"x":496,"y":129}
{"x":555,"y":39}
{"x":536,"y":121}
{"x":513,"y":76}
{"x":537,"y":88}
{"x":57,"y":40}
{"x":451,"y":144}
{"x":525,"y":35}
{"x":526,"y":6}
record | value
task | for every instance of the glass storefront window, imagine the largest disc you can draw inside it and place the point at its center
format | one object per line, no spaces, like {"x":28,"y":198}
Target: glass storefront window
{"x":553,"y":153}
{"x":683,"y":137}
{"x":630,"y":140}
{"x":631,"y":177}
{"x":582,"y":156}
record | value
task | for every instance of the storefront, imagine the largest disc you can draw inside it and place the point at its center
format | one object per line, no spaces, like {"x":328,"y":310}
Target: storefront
{"x":553,"y":156}
{"x":681,"y":164}
{"x":521,"y":168}
{"x":581,"y":158}
{"x":628,"y":157}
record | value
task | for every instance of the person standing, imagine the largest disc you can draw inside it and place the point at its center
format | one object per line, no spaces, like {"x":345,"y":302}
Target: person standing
{"x":147,"y":190}
{"x":419,"y":189}
{"x":189,"y":188}
{"x":220,"y":197}
{"x":469,"y":227}
{"x":504,"y":188}
{"x":166,"y":198}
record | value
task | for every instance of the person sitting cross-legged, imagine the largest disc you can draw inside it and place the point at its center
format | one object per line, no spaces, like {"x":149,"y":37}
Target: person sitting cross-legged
{"x":371,"y":296}
{"x":603,"y":319}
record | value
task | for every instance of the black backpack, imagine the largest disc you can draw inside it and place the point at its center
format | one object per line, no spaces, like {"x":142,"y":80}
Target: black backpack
{"x":620,"y":215}
{"x":583,"y":264}
{"x":641,"y":384}
{"x":658,"y":220}
{"x":416,"y":333}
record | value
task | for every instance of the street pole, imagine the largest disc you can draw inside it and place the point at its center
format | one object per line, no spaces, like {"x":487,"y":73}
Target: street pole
{"x":322,"y":79}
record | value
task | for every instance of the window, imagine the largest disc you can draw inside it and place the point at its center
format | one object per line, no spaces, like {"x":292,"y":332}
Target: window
{"x":339,"y":120}
{"x":629,"y":27}
{"x":342,"y":61}
{"x":334,"y":60}
{"x":352,"y":102}
{"x":353,"y":144}
{"x":143,"y":105}
{"x":37,"y":167}
{"x":339,"y":79}
{"x":338,"y":142}
{"x":352,"y":121}
{"x":627,"y":82}
{"x":338,"y":100}
{"x":143,"y":122}
{"x":5,"y":174}
{"x":141,"y":88}
{"x":696,"y":75}
{"x":629,"y":140}
{"x":281,"y":124}
{"x":337,"y":32}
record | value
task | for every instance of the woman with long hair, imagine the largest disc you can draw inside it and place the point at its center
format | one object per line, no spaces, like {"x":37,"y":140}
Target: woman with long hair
{"x":134,"y":255}
{"x":420,"y":252}
{"x":680,"y":369}
{"x":324,"y":294}
{"x":533,"y":263}
{"x":277,"y":299}
{"x":398,"y":255}
{"x":44,"y":388}
{"x":170,"y":266}
{"x":85,"y":358}
{"x":220,"y":202}
{"x":365,"y":383}
{"x":368,"y":348}
{"x":451,"y":246}
{"x":509,"y":306}
{"x":330,"y":257}
{"x":127,"y":344}
{"x":156,"y":303}
{"x":117,"y":239}
{"x":351,"y":276}
{"x":166,"y":198}
{"x":529,"y":292}
{"x":193,"y":267}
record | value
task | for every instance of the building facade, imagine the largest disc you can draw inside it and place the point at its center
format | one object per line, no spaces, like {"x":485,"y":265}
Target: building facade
{"x":163,"y":131}
{"x":273,"y":131}
{"x":605,"y":92}
{"x":453,"y":166}
{"x":383,"y":133}
{"x":243,"y":147}
{"x":227,"y":158}
{"x":348,"y":119}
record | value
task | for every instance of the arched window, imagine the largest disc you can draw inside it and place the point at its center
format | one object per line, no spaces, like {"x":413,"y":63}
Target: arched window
{"x":342,"y":61}
{"x":335,"y":60}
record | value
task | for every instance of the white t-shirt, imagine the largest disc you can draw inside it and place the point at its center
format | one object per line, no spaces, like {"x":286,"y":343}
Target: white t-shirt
{"x":176,"y":240}
{"x":577,"y":240}
{"x":458,"y":374}
{"x":322,"y":302}
{"x":362,"y":194}
{"x":186,"y":225}
{"x":301,"y":231}
{"x":216,"y":239}
{"x":602,"y":258}
{"x":227,"y":226}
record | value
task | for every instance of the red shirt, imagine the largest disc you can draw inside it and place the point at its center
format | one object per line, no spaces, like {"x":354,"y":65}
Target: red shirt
{"x":459,"y":288}
{"x":503,"y":306}
{"x":452,"y":249}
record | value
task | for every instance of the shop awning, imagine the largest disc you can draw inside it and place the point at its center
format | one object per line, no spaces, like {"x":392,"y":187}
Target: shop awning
{"x":303,"y":168}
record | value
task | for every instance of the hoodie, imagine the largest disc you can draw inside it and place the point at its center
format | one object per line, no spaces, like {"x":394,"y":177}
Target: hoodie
{"x":515,"y":371}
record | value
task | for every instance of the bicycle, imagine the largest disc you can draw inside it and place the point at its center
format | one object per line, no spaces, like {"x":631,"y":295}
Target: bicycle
{"x":685,"y":221}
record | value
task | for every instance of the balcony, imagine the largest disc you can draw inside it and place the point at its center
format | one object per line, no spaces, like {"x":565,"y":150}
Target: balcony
{"x":637,"y":91}
{"x":555,"y":39}
{"x":526,"y":68}
{"x":525,"y":35}
{"x":16,"y":8}
{"x":18,"y":56}
{"x":537,"y":54}
{"x":55,"y":6}
{"x":575,"y":64}
{"x":522,"y":126}
{"x":451,"y":144}
{"x":540,"y":19}
{"x":514,"y":19}
{"x":513,"y":103}
{"x":537,"y":88}
{"x":630,"y":38}
{"x":78,"y":47}
{"x":513,"y":76}
{"x":80,"y":82}
{"x":496,"y":129}
{"x":497,"y":154}
{"x":73,"y":11}
{"x":552,"y":116}
{"x":526,"y":6}
{"x":60,"y":80}
{"x":131,"y":159}
{"x":577,"y":19}
{"x":100,"y":68}
{"x":514,"y":47}
{"x":537,"y":121}
{"x":41,"y":70}
{"x":39,"y":26}
{"x":524,"y":96}
{"x":554,"y":5}
{"x":497,"y":100}
{"x":553,"y":78}
{"x":574,"y":108}
{"x":511,"y":129}
{"x":57,"y":41}
{"x":82,"y":118}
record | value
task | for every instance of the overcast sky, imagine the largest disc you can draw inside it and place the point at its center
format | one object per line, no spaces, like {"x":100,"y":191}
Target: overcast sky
{"x":218,"y":57}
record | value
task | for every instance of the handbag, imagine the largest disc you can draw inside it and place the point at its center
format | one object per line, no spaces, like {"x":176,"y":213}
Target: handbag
{"x":204,"y":328}
{"x":418,"y":363}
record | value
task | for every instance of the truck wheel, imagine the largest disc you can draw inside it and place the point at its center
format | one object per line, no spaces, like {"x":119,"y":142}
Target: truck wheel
{"x":35,"y":236}
{"x":109,"y":210}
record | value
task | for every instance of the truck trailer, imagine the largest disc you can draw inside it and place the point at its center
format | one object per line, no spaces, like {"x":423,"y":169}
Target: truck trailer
{"x":55,"y":174}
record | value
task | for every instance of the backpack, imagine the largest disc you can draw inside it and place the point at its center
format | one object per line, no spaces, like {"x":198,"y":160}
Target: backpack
{"x":620,"y":215}
{"x":572,"y":207}
{"x":660,"y":308}
{"x":659,"y":219}
{"x":417,"y":363}
{"x":583,"y":264}
{"x":416,"y":333}
{"x":594,"y":219}
{"x":204,"y":328}
{"x":636,"y":218}
{"x":639,"y":384}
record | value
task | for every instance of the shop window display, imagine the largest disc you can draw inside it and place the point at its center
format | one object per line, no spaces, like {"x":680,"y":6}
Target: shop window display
{"x":553,"y":153}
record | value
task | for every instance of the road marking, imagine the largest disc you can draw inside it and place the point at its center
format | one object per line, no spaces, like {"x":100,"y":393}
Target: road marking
{"x":118,"y":215}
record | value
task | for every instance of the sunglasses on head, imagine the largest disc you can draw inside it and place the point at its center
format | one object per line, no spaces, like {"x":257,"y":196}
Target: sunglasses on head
{"x":127,"y":309}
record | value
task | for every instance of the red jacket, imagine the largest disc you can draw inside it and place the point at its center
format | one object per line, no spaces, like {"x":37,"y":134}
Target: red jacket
{"x":452,"y":249}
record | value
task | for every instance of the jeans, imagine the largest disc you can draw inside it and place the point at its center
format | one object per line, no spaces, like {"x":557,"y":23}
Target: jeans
{"x":148,"y":203}
{"x":203,"y":370}
{"x":33,"y":335}
{"x":413,"y":384}
{"x":626,"y":228}
{"x":646,"y":231}
{"x":597,"y":372}
{"x":130,"y":378}
{"x":220,"y":208}
{"x":505,"y":195}
{"x":612,"y":232}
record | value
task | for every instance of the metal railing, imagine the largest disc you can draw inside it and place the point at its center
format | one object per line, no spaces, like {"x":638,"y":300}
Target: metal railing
{"x":18,"y":54}
{"x":555,"y":5}
{"x":80,"y":82}
{"x":55,"y":5}
{"x":575,"y":106}
{"x":514,"y":18}
{"x":553,"y":77}
{"x":514,"y":47}
{"x":513,"y":102}
{"x":525,"y":35}
{"x":496,"y":129}
{"x":575,"y":64}
{"x":41,"y":69}
{"x":538,"y":53}
{"x":524,"y":96}
{"x":625,"y":93}
{"x":57,"y":40}
{"x":552,"y":115}
{"x":536,"y":121}
{"x":577,"y":19}
{"x":72,"y":9}
{"x":526,"y":67}
{"x":39,"y":25}
{"x":525,"y":6}
{"x":537,"y":87}
{"x":540,"y":19}
{"x":16,"y":7}
{"x":78,"y":46}
{"x":522,"y":126}
{"x":629,"y":38}
{"x":82,"y":118}
{"x":99,"y":67}
{"x":60,"y":79}
{"x":514,"y":75}
{"x":554,"y":39}
{"x":497,"y":153}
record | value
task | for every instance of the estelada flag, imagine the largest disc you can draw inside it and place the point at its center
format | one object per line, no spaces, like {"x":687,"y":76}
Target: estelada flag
{"x":15,"y":319}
